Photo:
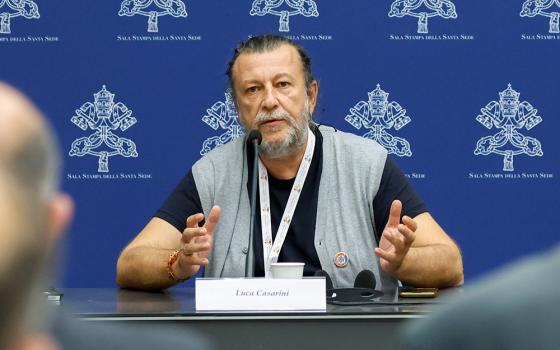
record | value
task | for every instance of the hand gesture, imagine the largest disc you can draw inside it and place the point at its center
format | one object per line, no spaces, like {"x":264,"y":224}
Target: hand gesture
{"x":197,"y":242}
{"x":396,"y":239}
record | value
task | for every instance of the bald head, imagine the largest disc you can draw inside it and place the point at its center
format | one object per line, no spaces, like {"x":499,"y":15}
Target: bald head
{"x":14,"y":226}
{"x":19,"y":119}
{"x":27,"y":146}
{"x":32,"y":213}
{"x":21,"y":258}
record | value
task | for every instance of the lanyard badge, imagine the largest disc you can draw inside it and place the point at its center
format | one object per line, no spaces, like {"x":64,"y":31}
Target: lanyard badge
{"x":271,"y":250}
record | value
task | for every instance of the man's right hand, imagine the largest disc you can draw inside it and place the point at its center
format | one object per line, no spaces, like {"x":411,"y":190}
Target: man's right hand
{"x":196,"y":243}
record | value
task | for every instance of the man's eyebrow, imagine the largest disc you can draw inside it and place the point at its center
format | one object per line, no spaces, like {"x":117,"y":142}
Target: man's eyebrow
{"x":283,"y":75}
{"x":275,"y":77}
{"x":249,"y":81}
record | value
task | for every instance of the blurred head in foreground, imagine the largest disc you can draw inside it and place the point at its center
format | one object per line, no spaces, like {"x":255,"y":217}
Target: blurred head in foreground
{"x":32,"y":215}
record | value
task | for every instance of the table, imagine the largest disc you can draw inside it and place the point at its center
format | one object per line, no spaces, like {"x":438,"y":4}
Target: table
{"x":347,"y":327}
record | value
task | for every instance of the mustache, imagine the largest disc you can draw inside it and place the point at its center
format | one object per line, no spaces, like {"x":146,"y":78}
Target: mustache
{"x":264,"y":117}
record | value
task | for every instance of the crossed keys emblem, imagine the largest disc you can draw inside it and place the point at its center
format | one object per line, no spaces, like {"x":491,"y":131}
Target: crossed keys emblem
{"x":103,"y":116}
{"x":306,"y":8}
{"x":379,"y":115}
{"x":508,"y":116}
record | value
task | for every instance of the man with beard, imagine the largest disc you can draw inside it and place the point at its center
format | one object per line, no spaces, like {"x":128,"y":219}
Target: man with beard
{"x":326,"y":198}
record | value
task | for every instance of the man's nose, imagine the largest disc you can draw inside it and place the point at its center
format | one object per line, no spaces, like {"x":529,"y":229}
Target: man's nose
{"x":270,"y":101}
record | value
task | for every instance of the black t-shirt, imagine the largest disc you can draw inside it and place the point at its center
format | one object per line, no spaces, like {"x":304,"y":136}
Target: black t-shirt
{"x":299,"y":243}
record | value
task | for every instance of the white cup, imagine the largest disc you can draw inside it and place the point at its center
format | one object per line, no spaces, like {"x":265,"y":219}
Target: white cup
{"x":287,"y":270}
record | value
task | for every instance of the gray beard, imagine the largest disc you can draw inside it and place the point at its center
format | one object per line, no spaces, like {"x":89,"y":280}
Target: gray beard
{"x":294,"y":140}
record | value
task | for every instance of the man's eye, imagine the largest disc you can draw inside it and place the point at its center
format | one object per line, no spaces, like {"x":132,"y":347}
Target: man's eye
{"x":251,"y":90}
{"x":283,"y":84}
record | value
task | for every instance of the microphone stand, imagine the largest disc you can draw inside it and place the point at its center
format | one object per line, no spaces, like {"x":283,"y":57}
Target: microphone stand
{"x":250,"y":259}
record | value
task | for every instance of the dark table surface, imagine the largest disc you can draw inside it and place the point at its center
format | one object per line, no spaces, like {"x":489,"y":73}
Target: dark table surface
{"x":180,"y":303}
{"x":350,"y":327}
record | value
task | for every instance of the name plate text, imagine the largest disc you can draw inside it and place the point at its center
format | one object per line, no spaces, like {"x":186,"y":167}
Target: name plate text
{"x":261,"y":294}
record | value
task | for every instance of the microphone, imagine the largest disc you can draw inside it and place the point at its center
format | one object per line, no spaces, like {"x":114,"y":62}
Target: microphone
{"x":365,"y":279}
{"x":328,"y":280}
{"x":362,"y":293}
{"x":255,"y":138}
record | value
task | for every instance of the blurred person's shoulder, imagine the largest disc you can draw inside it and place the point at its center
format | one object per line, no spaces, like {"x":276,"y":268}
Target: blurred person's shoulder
{"x":514,"y":307}
{"x":72,"y":333}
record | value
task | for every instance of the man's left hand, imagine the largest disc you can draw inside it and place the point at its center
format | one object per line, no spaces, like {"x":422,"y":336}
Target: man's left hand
{"x":396,"y":239}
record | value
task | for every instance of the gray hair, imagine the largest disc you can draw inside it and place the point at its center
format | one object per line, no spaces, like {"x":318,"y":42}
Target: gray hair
{"x":267,"y":43}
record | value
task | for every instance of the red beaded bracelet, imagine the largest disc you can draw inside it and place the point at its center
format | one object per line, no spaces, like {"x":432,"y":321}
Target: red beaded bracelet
{"x":172,"y":258}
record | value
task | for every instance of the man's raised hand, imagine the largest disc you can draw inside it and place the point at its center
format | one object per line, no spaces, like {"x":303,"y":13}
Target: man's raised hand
{"x":396,"y":239}
{"x":196,"y":243}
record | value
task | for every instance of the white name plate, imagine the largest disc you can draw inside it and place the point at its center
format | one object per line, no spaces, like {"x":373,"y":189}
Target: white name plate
{"x":261,"y":294}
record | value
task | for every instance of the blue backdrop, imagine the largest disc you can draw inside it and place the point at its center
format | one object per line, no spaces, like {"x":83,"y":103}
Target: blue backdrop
{"x":442,"y":64}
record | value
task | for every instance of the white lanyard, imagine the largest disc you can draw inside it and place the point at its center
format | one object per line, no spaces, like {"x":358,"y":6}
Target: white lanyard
{"x":271,"y":250}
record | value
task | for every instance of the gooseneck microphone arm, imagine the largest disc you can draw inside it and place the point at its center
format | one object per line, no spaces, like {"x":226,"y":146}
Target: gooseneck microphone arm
{"x":255,"y":138}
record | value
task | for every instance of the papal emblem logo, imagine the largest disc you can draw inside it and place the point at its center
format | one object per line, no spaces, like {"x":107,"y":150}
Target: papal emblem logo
{"x":284,"y":9}
{"x":532,"y":8}
{"x":423,"y":10}
{"x":153,"y":9}
{"x":222,"y":115}
{"x":508,"y":116}
{"x":379,"y":115}
{"x":103,"y":116}
{"x":16,"y":8}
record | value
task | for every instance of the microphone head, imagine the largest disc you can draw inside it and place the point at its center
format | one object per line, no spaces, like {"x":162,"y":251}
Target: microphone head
{"x":255,"y":136}
{"x":323,"y":273}
{"x":365,"y":279}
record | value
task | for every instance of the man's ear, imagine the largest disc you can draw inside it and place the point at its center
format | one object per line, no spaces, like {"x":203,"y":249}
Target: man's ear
{"x":313,"y":91}
{"x":60,"y":213}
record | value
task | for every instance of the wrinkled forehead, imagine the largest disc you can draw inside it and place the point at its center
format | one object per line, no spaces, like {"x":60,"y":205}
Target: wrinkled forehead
{"x":282,"y":59}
